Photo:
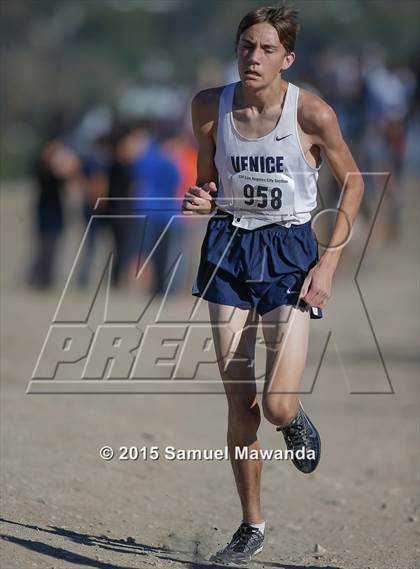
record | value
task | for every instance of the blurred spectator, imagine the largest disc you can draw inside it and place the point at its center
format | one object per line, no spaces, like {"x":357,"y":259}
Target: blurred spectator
{"x":55,"y":167}
{"x":126,"y":145}
{"x":156,"y":178}
{"x":180,"y":149}
{"x":339,"y":77}
{"x":389,"y":90}
{"x":372,"y":101}
{"x":95,"y":168}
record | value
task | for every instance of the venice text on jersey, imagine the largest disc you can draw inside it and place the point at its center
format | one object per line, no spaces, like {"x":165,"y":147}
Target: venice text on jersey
{"x":266,"y":164}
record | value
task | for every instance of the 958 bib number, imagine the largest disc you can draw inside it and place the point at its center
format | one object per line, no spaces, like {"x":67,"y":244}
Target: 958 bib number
{"x":262,"y":195}
{"x":256,"y":191}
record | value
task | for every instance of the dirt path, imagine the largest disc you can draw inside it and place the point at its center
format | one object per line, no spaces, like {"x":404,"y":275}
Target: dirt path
{"x":64,"y":507}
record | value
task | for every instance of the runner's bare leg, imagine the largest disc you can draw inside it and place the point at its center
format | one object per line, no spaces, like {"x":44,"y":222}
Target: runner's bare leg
{"x":234,"y":333}
{"x":286,"y":335}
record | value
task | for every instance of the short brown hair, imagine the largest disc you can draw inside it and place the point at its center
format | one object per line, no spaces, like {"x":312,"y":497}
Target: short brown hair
{"x":282,"y":18}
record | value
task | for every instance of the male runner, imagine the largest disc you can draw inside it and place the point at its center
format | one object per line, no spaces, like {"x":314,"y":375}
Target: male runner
{"x":259,"y":152}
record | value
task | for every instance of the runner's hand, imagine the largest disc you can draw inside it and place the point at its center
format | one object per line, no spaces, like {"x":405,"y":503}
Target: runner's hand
{"x":316,"y":288}
{"x":199,"y":200}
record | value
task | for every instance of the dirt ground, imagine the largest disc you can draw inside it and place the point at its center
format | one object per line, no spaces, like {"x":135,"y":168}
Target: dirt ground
{"x":64,"y":507}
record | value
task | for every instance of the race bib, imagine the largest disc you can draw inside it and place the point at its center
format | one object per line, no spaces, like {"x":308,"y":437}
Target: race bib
{"x":256,"y":191}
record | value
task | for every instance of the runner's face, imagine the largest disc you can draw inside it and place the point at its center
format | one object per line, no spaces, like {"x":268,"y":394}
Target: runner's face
{"x":261,"y":56}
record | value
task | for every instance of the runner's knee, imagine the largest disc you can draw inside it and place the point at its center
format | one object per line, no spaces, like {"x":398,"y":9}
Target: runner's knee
{"x":279,"y":411}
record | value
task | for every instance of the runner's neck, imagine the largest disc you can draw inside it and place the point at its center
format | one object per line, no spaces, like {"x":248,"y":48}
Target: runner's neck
{"x":263,"y":99}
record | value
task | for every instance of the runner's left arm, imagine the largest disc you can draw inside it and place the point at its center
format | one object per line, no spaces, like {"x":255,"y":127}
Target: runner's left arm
{"x":325,"y":133}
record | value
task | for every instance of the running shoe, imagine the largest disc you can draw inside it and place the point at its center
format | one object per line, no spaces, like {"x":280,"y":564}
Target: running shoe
{"x":246,"y":542}
{"x":299,"y":434}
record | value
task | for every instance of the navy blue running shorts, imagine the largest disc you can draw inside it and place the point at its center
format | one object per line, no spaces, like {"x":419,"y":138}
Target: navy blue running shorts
{"x":262,"y":268}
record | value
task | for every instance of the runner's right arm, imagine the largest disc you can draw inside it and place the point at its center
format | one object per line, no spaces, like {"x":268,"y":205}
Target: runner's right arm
{"x":204,"y":109}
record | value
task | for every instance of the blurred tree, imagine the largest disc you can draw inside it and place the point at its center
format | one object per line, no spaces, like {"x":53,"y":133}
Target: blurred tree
{"x":70,"y":54}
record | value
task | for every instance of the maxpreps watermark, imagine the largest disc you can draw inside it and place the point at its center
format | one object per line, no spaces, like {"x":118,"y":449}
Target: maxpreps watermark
{"x":171,"y":453}
{"x":96,"y":344}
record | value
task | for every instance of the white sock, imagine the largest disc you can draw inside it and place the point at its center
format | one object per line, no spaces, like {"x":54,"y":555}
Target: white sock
{"x":260,"y":526}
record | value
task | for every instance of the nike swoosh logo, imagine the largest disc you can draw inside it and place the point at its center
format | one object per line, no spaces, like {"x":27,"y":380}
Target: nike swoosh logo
{"x":288,"y":291}
{"x":278,"y":138}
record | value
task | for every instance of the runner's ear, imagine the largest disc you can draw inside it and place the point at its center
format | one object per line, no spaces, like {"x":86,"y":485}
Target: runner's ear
{"x":288,"y":61}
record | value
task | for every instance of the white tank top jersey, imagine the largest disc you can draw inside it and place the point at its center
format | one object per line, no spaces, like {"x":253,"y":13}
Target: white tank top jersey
{"x":268,"y":179}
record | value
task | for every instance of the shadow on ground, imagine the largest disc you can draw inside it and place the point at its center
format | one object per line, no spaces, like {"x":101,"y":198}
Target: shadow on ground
{"x":125,"y":545}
